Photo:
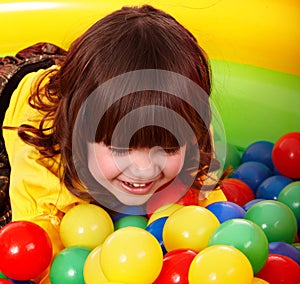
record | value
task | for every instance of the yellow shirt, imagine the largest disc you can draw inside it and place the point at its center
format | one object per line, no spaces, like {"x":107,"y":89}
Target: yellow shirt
{"x":36,"y":193}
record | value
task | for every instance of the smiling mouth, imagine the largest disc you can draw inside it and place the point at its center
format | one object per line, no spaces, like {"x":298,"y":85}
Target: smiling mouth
{"x":136,"y":188}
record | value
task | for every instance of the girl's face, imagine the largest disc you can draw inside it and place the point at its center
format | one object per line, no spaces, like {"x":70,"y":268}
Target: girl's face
{"x":133,"y":175}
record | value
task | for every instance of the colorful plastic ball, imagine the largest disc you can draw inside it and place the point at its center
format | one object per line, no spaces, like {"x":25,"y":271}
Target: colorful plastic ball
{"x":252,"y":202}
{"x":298,"y":229}
{"x":20,"y":282}
{"x":190,"y":198}
{"x":170,"y":194}
{"x":259,"y":281}
{"x":245,"y":236}
{"x":5,"y":281}
{"x":164,"y":211}
{"x":25,"y":246}
{"x":271,"y":187}
{"x":275,"y":218}
{"x":131,"y":255}
{"x":2,"y":276}
{"x":156,"y":229}
{"x":232,"y":157}
{"x":92,"y":270}
{"x":259,"y":151}
{"x":297,"y":246}
{"x":67,"y":266}
{"x":220,"y":264}
{"x":85,"y":225}
{"x":176,"y":265}
{"x":135,"y":221}
{"x":286,"y":155}
{"x":237,"y":191}
{"x":280,"y":269}
{"x":285,"y":249}
{"x":252,"y":173}
{"x":225,"y":210}
{"x":125,"y":210}
{"x":189,"y":227}
{"x":290,"y":196}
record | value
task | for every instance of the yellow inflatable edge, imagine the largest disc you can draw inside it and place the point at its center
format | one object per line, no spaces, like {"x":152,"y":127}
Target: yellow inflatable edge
{"x":259,"y":32}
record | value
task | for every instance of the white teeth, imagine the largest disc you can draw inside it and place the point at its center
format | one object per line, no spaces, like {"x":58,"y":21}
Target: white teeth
{"x":139,"y":185}
{"x":135,"y":184}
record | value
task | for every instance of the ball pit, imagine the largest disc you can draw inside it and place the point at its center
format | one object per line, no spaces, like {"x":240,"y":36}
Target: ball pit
{"x":256,"y":90}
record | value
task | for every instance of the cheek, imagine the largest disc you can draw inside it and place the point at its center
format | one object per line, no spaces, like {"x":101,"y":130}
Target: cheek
{"x":102,"y":167}
{"x":173,"y":166}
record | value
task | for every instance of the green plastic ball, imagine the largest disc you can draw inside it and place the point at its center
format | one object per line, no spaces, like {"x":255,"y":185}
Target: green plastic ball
{"x":275,"y":218}
{"x":131,"y":221}
{"x":67,"y":266}
{"x":290,"y":196}
{"x":247,"y":237}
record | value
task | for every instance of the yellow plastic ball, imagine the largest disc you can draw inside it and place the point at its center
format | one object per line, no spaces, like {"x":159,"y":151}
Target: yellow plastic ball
{"x":85,"y":225}
{"x":92,"y":270}
{"x":189,"y":227}
{"x":259,"y":281}
{"x":164,"y":211}
{"x":220,"y":264}
{"x":131,"y":255}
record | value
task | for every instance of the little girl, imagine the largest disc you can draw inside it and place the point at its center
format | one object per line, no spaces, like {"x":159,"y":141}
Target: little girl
{"x":124,"y":119}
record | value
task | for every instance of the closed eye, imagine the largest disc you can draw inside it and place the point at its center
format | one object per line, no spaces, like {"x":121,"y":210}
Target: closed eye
{"x":171,"y":150}
{"x":119,"y":151}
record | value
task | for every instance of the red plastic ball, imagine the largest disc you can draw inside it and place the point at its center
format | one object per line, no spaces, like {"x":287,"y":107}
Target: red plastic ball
{"x":286,"y":155}
{"x":175,"y":192}
{"x":280,"y":269}
{"x":25,"y":250}
{"x":237,"y":191}
{"x":176,"y":266}
{"x":5,"y":281}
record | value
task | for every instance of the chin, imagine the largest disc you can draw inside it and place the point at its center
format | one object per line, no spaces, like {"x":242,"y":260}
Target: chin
{"x":134,"y":200}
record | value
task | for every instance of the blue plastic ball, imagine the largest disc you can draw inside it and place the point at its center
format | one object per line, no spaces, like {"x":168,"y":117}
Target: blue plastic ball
{"x":285,"y":249}
{"x":156,"y":229}
{"x":272,"y":186}
{"x":252,"y":173}
{"x":129,"y":211}
{"x":252,"y":202}
{"x":225,"y":210}
{"x":259,"y":151}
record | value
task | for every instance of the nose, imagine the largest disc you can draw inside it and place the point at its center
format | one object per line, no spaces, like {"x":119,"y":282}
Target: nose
{"x":145,"y":164}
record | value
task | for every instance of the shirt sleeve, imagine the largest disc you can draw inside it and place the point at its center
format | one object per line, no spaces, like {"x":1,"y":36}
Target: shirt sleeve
{"x":36,"y":192}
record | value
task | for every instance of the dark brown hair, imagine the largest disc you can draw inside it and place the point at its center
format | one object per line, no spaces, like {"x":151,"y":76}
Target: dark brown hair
{"x":132,"y":38}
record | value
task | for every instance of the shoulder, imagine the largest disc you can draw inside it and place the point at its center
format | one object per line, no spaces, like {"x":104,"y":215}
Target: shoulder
{"x":19,"y":111}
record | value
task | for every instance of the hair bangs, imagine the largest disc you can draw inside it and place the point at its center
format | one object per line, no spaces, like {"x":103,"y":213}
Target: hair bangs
{"x":147,"y":119}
